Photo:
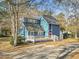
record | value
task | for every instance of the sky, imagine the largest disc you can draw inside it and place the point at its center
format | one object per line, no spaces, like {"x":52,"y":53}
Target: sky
{"x":49,"y":5}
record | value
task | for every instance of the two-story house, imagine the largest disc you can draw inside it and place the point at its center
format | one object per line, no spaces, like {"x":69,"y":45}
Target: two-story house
{"x":44,"y":27}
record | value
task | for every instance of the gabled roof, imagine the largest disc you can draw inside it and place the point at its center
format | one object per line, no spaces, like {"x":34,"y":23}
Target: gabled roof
{"x":50,"y":19}
{"x":32,"y":26}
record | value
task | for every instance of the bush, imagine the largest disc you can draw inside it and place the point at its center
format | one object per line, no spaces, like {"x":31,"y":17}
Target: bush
{"x":0,"y":35}
{"x":12,"y":41}
{"x":20,"y":40}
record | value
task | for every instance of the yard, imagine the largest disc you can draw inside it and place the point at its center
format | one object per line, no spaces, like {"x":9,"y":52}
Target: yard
{"x":5,"y":44}
{"x":7,"y":51}
{"x":34,"y":19}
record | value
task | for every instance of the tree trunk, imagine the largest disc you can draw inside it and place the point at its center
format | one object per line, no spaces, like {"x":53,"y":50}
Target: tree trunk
{"x":15,"y":26}
{"x":16,"y":17}
{"x":0,"y":30}
{"x":76,"y":35}
{"x":15,"y":31}
{"x":12,"y":22}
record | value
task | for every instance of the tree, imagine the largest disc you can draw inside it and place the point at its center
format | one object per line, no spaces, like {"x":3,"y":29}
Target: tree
{"x":13,"y":6}
{"x":15,"y":11}
{"x":3,"y":15}
{"x":61,"y":20}
{"x":71,"y":8}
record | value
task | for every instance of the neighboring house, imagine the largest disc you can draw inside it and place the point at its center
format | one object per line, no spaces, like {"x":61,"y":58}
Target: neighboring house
{"x":45,"y":27}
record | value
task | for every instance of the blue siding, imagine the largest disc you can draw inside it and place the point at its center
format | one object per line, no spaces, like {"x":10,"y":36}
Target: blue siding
{"x":26,"y":33}
{"x":55,"y":30}
{"x":44,"y":24}
{"x":23,"y":31}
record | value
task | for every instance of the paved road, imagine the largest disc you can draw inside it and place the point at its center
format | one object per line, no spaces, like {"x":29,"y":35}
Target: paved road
{"x":42,"y":52}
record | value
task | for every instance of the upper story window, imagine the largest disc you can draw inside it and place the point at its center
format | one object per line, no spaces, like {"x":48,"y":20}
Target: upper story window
{"x":32,"y":21}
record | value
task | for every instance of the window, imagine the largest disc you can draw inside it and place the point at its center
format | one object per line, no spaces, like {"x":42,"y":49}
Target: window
{"x":29,"y":33}
{"x":35,"y":33}
{"x":49,"y":26}
{"x":38,"y":21}
{"x":32,"y":21}
{"x":32,"y":33}
{"x":41,"y":33}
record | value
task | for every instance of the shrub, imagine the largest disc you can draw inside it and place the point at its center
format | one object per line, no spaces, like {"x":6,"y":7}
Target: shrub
{"x":20,"y":40}
{"x":0,"y":35}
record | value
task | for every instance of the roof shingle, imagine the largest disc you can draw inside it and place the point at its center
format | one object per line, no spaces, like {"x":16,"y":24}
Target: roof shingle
{"x":50,"y":19}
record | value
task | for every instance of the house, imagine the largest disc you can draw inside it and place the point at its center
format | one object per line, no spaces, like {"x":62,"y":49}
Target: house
{"x":50,"y":26}
{"x":30,"y":29}
{"x":43,"y":28}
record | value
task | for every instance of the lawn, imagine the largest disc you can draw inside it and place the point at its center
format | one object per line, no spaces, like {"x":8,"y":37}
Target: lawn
{"x":6,"y":46}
